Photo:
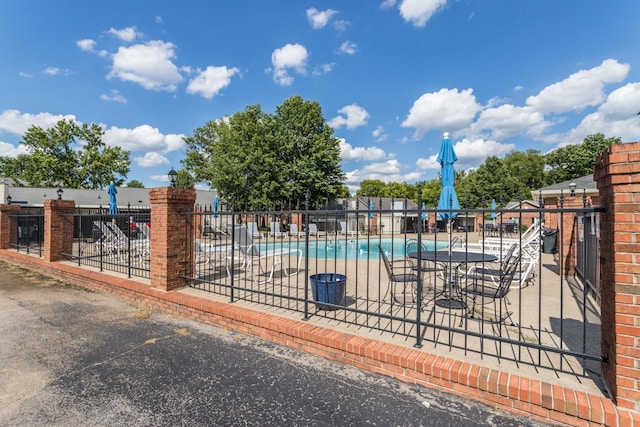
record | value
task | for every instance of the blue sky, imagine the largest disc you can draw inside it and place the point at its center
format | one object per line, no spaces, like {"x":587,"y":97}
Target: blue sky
{"x":390,"y":76}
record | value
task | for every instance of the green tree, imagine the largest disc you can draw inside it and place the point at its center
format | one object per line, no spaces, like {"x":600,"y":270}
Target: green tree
{"x":256,"y":158}
{"x":577,"y":160}
{"x":67,"y":155}
{"x":185,"y":180}
{"x":527,"y":167}
{"x":372,"y":188}
{"x":134,"y":183}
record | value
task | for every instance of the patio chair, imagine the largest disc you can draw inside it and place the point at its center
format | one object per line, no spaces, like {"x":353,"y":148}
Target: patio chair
{"x":122,"y":244}
{"x":274,"y":227}
{"x":313,"y":230}
{"x":491,"y":287}
{"x":345,"y":231}
{"x":252,"y":228}
{"x":253,"y":257}
{"x":206,"y":254}
{"x":429,"y":270}
{"x":293,"y":231}
{"x":403,"y":280}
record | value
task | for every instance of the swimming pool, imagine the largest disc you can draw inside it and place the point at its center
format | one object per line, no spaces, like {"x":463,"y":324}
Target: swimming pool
{"x":352,"y":248}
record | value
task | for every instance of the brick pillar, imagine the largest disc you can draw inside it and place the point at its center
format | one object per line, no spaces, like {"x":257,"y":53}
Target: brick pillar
{"x":58,"y":229}
{"x":8,"y":225}
{"x":171,"y":236}
{"x":617,"y":174}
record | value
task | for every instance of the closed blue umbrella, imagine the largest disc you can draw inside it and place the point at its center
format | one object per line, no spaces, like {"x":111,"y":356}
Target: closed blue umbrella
{"x":494,"y":214}
{"x":448,"y":204}
{"x":113,"y":207}
{"x":216,"y":201}
{"x":370,"y":208}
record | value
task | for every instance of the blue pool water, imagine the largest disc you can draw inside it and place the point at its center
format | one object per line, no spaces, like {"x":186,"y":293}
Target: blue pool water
{"x":352,"y":249}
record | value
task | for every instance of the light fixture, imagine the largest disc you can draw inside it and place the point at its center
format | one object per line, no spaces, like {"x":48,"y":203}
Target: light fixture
{"x":572,"y":189}
{"x":9,"y":200}
{"x":172,"y":177}
{"x":59,"y":192}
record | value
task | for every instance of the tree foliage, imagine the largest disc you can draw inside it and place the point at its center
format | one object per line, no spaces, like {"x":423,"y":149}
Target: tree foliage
{"x":134,"y":183}
{"x":257,"y":158}
{"x":577,"y":160}
{"x":67,"y":155}
{"x":185,"y":180}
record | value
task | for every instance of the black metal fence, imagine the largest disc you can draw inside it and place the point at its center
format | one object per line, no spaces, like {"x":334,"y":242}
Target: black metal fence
{"x":452,"y":288}
{"x":588,"y":252}
{"x":30,"y":230}
{"x":118,"y":243}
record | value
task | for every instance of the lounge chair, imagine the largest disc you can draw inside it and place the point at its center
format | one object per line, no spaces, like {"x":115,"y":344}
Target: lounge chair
{"x":313,"y":231}
{"x":344,"y":230}
{"x":252,"y":228}
{"x":253,"y":257}
{"x":293,"y":231}
{"x":274,"y":227}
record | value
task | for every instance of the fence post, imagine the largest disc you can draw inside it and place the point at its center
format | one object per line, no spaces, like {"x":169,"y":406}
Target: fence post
{"x":58,"y":229}
{"x":171,"y":236}
{"x":8,"y":226}
{"x":617,"y":174}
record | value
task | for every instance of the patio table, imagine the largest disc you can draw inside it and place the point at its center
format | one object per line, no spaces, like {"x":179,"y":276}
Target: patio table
{"x":451,"y":298}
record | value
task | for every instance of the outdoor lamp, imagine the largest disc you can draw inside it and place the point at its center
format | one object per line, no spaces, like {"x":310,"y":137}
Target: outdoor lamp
{"x":572,"y":189}
{"x":59,"y":192}
{"x":172,"y":177}
{"x":9,"y":200}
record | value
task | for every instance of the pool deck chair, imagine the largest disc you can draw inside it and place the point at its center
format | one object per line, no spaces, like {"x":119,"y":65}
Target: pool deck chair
{"x":275,"y":230}
{"x":252,"y":227}
{"x":253,"y":258}
{"x":313,"y":231}
{"x":344,"y":230}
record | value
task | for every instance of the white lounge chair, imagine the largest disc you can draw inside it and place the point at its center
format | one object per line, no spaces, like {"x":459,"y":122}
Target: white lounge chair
{"x":313,"y":231}
{"x":344,"y":230}
{"x":252,"y":228}
{"x":293,"y":231}
{"x":253,"y":257}
{"x":275,"y":230}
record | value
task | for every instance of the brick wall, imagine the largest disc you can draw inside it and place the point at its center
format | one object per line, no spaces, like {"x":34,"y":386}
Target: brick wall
{"x":617,"y":174}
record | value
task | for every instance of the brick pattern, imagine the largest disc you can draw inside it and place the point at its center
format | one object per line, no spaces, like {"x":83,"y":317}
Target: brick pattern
{"x":171,"y":236}
{"x":503,"y":390}
{"x":617,"y":174}
{"x":8,"y":228}
{"x":58,"y":231}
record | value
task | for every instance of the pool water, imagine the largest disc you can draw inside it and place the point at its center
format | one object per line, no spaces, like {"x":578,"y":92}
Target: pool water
{"x":352,"y":248}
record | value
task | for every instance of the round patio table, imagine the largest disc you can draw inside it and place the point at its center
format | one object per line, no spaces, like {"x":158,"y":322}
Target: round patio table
{"x":450,"y":299}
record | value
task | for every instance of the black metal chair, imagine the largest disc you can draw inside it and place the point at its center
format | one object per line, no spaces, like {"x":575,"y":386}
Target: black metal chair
{"x":430,"y":271}
{"x":491,"y":287}
{"x":403,"y":280}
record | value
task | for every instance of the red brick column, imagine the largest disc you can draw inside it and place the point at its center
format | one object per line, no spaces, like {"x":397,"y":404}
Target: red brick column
{"x":568,"y":235}
{"x":171,"y":236}
{"x":58,"y":229}
{"x":8,"y":226}
{"x":617,"y":174}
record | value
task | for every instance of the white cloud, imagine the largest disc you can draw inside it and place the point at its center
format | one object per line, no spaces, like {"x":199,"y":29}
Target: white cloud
{"x":55,"y":71}
{"x":389,"y":171}
{"x":319,"y":19}
{"x":617,"y":116}
{"x":348,"y":48}
{"x":211,"y":81}
{"x":89,"y":45}
{"x":9,"y":150}
{"x":347,"y":152}
{"x":148,"y":65}
{"x":471,"y":153}
{"x":323,"y":69}
{"x":446,"y":110}
{"x":355,"y":116}
{"x":582,"y":89}
{"x":13,"y":121}
{"x":25,"y":75}
{"x":128,"y":34}
{"x":142,"y":138}
{"x":507,"y":120}
{"x":115,"y":96}
{"x":151,"y":159}
{"x":419,"y":12}
{"x":387,"y":4}
{"x":290,"y":56}
{"x":378,"y":134}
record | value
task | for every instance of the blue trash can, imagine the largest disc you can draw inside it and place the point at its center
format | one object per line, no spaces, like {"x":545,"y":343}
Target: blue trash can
{"x":328,"y":288}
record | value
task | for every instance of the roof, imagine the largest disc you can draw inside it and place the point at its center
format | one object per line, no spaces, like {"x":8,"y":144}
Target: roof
{"x":584,"y":184}
{"x":134,"y":197}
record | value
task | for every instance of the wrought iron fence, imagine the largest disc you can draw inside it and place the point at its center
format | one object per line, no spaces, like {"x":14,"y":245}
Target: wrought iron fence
{"x":29,"y":233}
{"x":118,"y":243}
{"x":454,"y":287}
{"x":588,"y":252}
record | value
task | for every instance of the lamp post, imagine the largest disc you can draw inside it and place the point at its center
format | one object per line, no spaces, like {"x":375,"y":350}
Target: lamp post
{"x":9,"y":200}
{"x":572,"y":189}
{"x":59,"y":192}
{"x":172,"y":177}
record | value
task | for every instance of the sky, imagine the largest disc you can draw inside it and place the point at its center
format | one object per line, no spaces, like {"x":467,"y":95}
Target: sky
{"x":391,"y":76}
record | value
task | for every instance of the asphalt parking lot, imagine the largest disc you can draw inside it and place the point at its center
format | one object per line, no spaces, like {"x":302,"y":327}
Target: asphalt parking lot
{"x":72,"y":357}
